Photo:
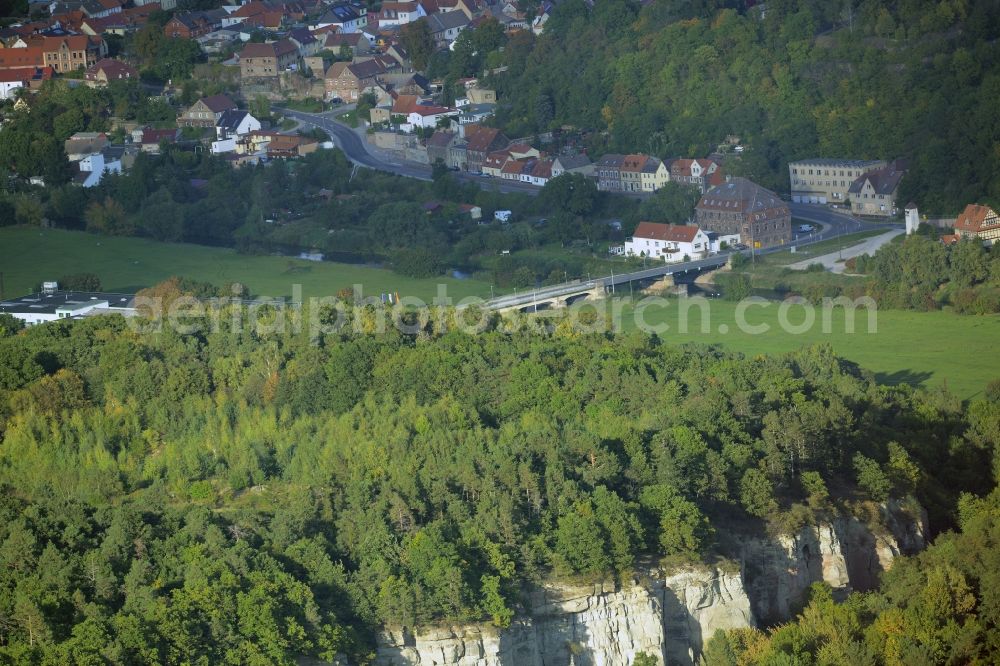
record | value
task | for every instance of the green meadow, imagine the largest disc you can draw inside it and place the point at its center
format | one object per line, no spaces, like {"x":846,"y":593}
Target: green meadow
{"x":30,"y":255}
{"x":928,"y":349}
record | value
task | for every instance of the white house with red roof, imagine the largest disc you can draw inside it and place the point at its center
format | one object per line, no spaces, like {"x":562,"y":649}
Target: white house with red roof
{"x":668,"y":242}
{"x":425,"y":115}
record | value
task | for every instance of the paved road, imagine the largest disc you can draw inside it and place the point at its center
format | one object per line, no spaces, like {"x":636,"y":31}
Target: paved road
{"x":351,"y":141}
{"x":834,"y":261}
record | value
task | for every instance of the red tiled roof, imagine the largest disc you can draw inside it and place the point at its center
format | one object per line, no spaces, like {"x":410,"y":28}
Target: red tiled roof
{"x":268,"y":50}
{"x":976,"y":218}
{"x":156,"y":135}
{"x":218,"y":103}
{"x":113,"y":69}
{"x":678,"y":233}
{"x":20,"y":58}
{"x":480,"y":138}
{"x":496,"y":159}
{"x":25,"y":74}
{"x":514,"y":166}
{"x":634,"y":162}
{"x":950,"y":239}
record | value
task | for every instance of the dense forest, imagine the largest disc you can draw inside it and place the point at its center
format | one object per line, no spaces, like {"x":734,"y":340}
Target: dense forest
{"x":243,"y":497}
{"x":914,"y":79}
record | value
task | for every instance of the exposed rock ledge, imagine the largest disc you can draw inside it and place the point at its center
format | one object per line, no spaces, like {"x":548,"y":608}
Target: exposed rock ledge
{"x":669,"y":614}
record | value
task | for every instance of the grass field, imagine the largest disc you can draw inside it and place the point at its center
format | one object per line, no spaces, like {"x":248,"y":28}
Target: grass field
{"x":919,"y":348}
{"x":29,"y":255}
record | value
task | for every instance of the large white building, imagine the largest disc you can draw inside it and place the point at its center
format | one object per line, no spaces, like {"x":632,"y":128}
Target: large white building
{"x":51,"y":305}
{"x":667,"y":242}
{"x":822,"y":180}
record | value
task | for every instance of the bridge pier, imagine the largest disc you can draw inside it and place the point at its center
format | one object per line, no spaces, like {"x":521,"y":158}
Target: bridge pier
{"x":664,"y":285}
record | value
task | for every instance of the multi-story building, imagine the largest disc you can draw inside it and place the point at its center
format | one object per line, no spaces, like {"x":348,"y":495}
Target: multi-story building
{"x":631,"y":173}
{"x":823,"y":180}
{"x":349,"y":80}
{"x":742,"y":207}
{"x":669,"y":242}
{"x":609,"y":172}
{"x":68,"y":53}
{"x":267,"y":60}
{"x":874,"y":192}
{"x":480,"y":142}
{"x":980,"y":222}
{"x":206,"y":111}
{"x":106,"y":70}
{"x":702,"y":173}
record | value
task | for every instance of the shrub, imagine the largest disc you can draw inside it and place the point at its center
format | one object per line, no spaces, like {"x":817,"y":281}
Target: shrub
{"x":417,"y":262}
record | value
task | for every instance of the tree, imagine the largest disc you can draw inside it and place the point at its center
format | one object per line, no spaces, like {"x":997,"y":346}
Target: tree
{"x":80,"y":282}
{"x":418,"y":42}
{"x":107,"y":217}
{"x":570,"y":192}
{"x":871,"y":478}
{"x":673,"y":203}
{"x":757,"y":494}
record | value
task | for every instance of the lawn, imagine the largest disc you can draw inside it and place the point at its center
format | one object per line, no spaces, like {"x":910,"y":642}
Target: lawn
{"x":919,"y":348}
{"x":30,"y":255}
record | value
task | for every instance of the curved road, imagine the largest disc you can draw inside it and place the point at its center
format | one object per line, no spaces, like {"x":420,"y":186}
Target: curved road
{"x":358,"y":152}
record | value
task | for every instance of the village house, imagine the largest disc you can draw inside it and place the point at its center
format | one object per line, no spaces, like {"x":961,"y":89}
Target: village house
{"x":21,"y":58}
{"x":267,"y":60}
{"x":742,"y":207}
{"x":290,"y":146}
{"x":206,"y":111}
{"x":978,"y":221}
{"x":187,"y":25}
{"x":348,"y":80}
{"x":426,"y":116}
{"x":438,"y":146}
{"x":354,"y":42}
{"x":82,"y":144}
{"x":580,"y":164}
{"x":702,"y":173}
{"x":445,"y":28}
{"x":89,"y":8}
{"x":150,"y":140}
{"x":874,"y":193}
{"x":494,"y":162}
{"x":91,"y":169}
{"x":106,"y":70}
{"x":609,"y":172}
{"x":305,"y":42}
{"x":12,"y":80}
{"x":70,"y":53}
{"x":399,"y":13}
{"x":540,"y":172}
{"x":480,"y":142}
{"x":236,"y":122}
{"x":668,"y":242}
{"x":345,"y":17}
{"x":512,"y":169}
{"x":822,"y":180}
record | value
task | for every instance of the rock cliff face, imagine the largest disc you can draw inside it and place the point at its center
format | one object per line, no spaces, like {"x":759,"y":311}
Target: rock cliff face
{"x":670,"y":615}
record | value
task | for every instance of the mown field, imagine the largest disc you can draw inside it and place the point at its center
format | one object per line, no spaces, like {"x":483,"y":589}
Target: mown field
{"x":920,"y":348}
{"x":29,"y":255}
